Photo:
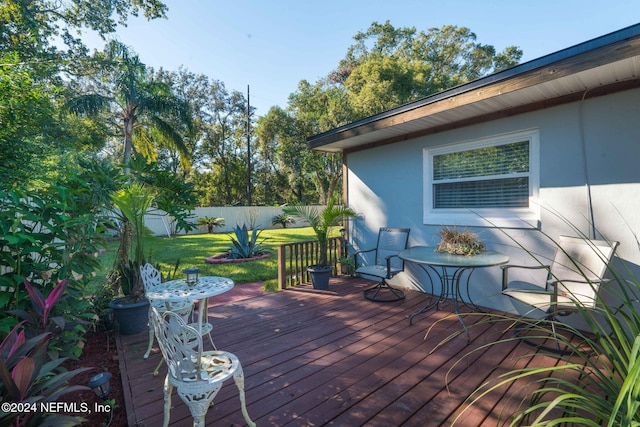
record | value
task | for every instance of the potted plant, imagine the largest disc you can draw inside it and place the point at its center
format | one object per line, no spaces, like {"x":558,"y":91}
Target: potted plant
{"x":459,"y":242}
{"x":321,"y":223}
{"x":131,"y":311}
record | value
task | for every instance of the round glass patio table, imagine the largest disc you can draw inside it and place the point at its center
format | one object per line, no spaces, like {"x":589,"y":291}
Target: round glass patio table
{"x":178,"y":290}
{"x":450,"y":269}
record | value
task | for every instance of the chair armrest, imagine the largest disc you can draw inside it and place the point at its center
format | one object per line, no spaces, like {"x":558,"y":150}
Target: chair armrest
{"x":355,"y":255}
{"x":505,"y":271}
{"x":389,"y":276}
{"x":553,"y":283}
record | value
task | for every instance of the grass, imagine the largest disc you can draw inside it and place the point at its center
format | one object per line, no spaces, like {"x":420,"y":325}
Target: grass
{"x":191,"y":251}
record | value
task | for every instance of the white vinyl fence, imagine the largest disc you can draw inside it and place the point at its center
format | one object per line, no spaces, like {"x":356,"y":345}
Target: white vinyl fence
{"x":253,"y":216}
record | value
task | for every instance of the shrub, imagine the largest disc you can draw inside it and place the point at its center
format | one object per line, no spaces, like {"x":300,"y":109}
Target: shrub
{"x":283,"y":220}
{"x":211,"y":222}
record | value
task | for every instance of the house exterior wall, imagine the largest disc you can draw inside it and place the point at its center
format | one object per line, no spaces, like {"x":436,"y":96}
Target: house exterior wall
{"x":595,"y":142}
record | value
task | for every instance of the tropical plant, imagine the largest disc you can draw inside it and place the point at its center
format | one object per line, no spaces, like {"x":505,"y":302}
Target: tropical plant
{"x":211,"y":222}
{"x":144,"y":106}
{"x":246,"y":245}
{"x":321,"y":223}
{"x":132,"y":202}
{"x":283,"y":220}
{"x":459,"y":242}
{"x":29,"y":377}
{"x":604,"y":364}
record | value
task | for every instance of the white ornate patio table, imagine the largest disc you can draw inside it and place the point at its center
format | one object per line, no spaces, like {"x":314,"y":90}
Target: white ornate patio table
{"x":450,"y":269}
{"x":178,"y":290}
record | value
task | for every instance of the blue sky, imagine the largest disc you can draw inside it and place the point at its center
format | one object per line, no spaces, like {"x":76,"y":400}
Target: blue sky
{"x":271,"y":45}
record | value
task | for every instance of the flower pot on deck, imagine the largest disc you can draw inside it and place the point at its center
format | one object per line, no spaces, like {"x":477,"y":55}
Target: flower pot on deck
{"x":320,"y":277}
{"x":130,"y":318}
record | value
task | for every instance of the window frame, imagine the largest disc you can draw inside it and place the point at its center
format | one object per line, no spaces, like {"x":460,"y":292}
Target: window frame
{"x":523,"y":217}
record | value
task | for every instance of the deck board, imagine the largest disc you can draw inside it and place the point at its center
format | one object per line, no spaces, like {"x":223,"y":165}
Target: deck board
{"x":314,"y":358}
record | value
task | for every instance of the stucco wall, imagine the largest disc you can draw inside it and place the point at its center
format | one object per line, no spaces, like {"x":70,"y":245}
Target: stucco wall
{"x":385,"y":184}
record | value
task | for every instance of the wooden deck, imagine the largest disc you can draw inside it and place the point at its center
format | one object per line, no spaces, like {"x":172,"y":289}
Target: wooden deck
{"x":314,"y":358}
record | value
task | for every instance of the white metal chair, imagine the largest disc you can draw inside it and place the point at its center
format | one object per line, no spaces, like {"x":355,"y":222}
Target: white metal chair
{"x":386,"y":264}
{"x":573,"y":281}
{"x":197,"y":375}
{"x":150,"y":279}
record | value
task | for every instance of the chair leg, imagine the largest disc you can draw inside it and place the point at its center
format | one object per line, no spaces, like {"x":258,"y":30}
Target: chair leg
{"x":238,"y":377}
{"x":168,"y":389}
{"x":151,"y":338}
{"x":373,"y":292}
{"x":157,"y":370}
{"x":199,"y":401}
{"x":555,"y":348}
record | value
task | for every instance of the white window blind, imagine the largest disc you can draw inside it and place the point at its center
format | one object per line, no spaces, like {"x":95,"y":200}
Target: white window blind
{"x":488,"y":177}
{"x":490,"y":181}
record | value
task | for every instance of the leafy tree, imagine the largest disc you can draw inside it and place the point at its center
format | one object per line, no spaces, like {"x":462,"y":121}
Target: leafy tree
{"x":390,"y":66}
{"x":127,"y":92}
{"x":31,"y":63}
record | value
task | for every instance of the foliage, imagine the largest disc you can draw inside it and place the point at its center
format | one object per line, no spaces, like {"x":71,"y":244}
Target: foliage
{"x":348,"y":265}
{"x":149,"y":113}
{"x":389,"y":66}
{"x":459,"y":242}
{"x":133,"y":201}
{"x":604,"y":365}
{"x":321,"y":222}
{"x":28,"y":376}
{"x":45,"y":237}
{"x":38,"y":42}
{"x":211,"y":222}
{"x":246,"y":245}
{"x":283,"y":220}
{"x":172,"y":195}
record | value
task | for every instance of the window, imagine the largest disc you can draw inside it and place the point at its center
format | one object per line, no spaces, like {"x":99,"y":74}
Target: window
{"x":493,"y":181}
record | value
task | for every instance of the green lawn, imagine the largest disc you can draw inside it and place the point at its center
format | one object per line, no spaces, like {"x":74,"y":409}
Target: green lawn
{"x":191,"y":251}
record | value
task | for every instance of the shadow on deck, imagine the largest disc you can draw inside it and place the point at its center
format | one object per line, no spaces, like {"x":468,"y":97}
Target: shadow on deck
{"x":314,"y":358}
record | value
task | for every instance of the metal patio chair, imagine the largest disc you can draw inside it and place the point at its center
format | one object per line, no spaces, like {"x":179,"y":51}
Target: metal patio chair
{"x":196,"y":375}
{"x":573,"y":281}
{"x":385,"y":264}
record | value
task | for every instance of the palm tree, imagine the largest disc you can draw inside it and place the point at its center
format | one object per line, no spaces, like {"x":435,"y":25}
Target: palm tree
{"x":321,"y":222}
{"x":145,"y":108}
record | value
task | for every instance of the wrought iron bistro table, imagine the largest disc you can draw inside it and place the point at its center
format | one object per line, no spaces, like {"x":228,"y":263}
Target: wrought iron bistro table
{"x":178,"y":290}
{"x":450,"y":269}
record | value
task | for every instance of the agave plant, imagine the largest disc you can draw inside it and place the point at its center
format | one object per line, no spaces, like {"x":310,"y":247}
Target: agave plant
{"x":246,"y":245}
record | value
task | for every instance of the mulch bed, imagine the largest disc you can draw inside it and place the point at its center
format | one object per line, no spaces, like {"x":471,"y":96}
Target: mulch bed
{"x":100,"y":354}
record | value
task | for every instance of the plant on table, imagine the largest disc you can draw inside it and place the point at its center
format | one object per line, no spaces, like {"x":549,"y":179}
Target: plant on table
{"x":459,"y":242}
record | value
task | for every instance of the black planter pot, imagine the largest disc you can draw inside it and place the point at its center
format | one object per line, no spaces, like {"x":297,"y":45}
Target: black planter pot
{"x":130,"y":318}
{"x":320,"y":277}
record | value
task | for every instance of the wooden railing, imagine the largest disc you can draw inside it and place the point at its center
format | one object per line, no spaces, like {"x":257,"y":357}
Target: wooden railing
{"x":294,"y":258}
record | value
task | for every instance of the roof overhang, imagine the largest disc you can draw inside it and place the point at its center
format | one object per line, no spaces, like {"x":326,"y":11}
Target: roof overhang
{"x":604,"y":65}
